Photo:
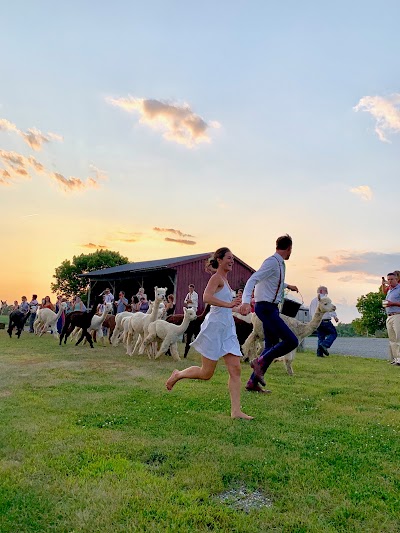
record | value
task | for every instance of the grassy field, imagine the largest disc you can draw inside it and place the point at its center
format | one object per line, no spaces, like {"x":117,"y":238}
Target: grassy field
{"x":90,"y":441}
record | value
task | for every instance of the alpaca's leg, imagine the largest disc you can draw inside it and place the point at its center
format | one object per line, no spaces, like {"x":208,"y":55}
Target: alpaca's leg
{"x":288,"y":362}
{"x":174,"y":351}
{"x":138,"y":345}
{"x":89,"y":338}
{"x":81,"y":337}
{"x":166,"y":343}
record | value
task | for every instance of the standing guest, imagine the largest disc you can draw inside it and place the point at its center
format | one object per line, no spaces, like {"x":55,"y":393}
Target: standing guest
{"x":78,"y":304}
{"x":135,"y":304}
{"x":33,"y":307}
{"x":385,"y":285}
{"x":108,"y":296}
{"x":217,"y":337}
{"x":392,"y":308}
{"x":47,"y":303}
{"x":61,"y":320}
{"x":268,"y":284}
{"x":15,"y":305}
{"x":170,"y":305}
{"x":121,"y":303}
{"x":326,"y":330}
{"x":192,"y":299}
{"x":141,"y":294}
{"x":24,"y":306}
{"x":143,"y":305}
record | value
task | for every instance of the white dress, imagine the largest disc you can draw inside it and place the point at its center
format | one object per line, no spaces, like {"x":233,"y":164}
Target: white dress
{"x":217,"y":335}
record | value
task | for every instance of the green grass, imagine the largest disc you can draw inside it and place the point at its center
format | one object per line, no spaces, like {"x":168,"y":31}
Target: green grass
{"x":91,"y":441}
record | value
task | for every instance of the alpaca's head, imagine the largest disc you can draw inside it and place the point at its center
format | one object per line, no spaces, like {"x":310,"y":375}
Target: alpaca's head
{"x":189,"y":313}
{"x":325,"y":305}
{"x":159,"y":293}
{"x":109,"y":307}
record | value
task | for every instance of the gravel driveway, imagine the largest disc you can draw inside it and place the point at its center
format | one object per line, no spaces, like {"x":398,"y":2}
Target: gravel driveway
{"x":357,"y":346}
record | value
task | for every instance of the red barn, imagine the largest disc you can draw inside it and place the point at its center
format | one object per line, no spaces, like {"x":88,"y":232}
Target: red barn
{"x":175,"y":273}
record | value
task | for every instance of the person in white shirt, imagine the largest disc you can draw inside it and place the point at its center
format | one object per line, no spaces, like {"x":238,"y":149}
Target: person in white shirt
{"x":108,"y":296}
{"x":268,"y":284}
{"x":192,"y":298}
{"x":326,"y":330}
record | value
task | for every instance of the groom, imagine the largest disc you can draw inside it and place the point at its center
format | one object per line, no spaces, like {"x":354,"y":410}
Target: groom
{"x":269,"y":283}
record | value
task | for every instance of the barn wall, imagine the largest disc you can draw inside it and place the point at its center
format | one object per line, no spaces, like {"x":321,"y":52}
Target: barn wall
{"x":194,"y":272}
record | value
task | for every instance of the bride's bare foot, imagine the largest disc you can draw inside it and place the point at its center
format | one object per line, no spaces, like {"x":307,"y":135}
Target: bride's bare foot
{"x":172,"y":379}
{"x":242,"y":415}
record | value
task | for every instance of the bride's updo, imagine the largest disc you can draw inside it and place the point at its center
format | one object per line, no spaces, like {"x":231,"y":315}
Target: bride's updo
{"x":218,"y":254}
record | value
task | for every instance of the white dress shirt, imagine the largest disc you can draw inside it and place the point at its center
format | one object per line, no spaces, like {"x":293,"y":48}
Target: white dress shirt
{"x":265,"y":281}
{"x":108,"y":298}
{"x":313,"y":307}
{"x":195,"y":300}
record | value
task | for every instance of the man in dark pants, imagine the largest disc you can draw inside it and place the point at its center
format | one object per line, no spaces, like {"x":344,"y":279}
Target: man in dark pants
{"x":326,"y":331}
{"x":268,"y":284}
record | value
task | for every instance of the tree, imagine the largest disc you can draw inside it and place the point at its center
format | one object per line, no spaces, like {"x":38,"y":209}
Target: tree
{"x":373,"y":316}
{"x":66,"y":275}
{"x":346,"y":330}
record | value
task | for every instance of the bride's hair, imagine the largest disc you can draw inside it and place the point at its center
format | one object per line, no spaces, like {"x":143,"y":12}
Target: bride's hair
{"x":218,"y":254}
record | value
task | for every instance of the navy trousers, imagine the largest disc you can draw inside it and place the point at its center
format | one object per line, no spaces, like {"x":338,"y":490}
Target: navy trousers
{"x":326,"y":334}
{"x":279,"y":339}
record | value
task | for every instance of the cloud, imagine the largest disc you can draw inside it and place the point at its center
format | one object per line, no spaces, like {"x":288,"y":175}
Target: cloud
{"x":94,"y":246}
{"x":17,"y":165}
{"x":173,"y":231}
{"x":363,"y":191}
{"x":179,"y":123}
{"x":324,"y":258}
{"x":179,"y":241}
{"x":33,"y":137}
{"x":98,"y":174}
{"x":364,"y":264}
{"x":386,"y":112}
{"x":125,"y":236}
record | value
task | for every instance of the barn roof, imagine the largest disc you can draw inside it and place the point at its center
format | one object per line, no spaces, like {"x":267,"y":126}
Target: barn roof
{"x":157,"y":264}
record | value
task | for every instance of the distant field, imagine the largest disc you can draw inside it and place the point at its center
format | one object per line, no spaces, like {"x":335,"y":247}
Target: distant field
{"x":92,"y":442}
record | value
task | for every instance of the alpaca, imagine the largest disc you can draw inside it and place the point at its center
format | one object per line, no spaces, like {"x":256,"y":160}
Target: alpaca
{"x":156,"y":313}
{"x":17,"y":320}
{"x":3,"y":306}
{"x":300,"y":329}
{"x":109,"y":323}
{"x":46,"y":318}
{"x":96,"y":325}
{"x":116,"y":336}
{"x":169,"y":333}
{"x":80,"y":319}
{"x":194,"y":327}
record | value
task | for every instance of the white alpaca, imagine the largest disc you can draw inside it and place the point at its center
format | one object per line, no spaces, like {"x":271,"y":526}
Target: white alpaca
{"x":156,"y":313}
{"x":46,"y":318}
{"x":118,"y":330}
{"x":96,"y":325}
{"x":138,"y":321}
{"x":300,"y":329}
{"x":169,"y":333}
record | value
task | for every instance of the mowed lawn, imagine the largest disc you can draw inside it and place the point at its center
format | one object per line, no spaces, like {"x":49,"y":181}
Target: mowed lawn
{"x":90,"y":440}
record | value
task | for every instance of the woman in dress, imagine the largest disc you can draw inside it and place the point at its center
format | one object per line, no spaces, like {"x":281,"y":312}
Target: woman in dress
{"x":170,"y":305}
{"x":217,"y":337}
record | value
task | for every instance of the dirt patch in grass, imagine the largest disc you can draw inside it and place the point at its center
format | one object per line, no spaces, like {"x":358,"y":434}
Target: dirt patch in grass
{"x":243,"y":499}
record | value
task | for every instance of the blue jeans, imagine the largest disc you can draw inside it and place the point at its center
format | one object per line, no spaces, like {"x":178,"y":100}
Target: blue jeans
{"x":326,"y":334}
{"x":32,"y":317}
{"x":279,"y":338}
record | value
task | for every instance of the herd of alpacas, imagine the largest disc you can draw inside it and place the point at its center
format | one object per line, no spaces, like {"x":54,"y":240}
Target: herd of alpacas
{"x":155,"y":334}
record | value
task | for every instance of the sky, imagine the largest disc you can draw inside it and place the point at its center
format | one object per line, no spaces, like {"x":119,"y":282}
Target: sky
{"x":159,"y":129}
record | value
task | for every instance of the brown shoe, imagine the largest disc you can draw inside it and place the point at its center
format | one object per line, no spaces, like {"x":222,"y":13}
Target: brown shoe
{"x":255,"y":365}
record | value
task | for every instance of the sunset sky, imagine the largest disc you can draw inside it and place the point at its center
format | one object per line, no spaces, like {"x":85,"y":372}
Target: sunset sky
{"x":159,"y":129}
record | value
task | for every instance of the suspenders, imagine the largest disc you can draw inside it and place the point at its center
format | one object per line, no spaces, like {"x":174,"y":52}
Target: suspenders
{"x":280,"y":279}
